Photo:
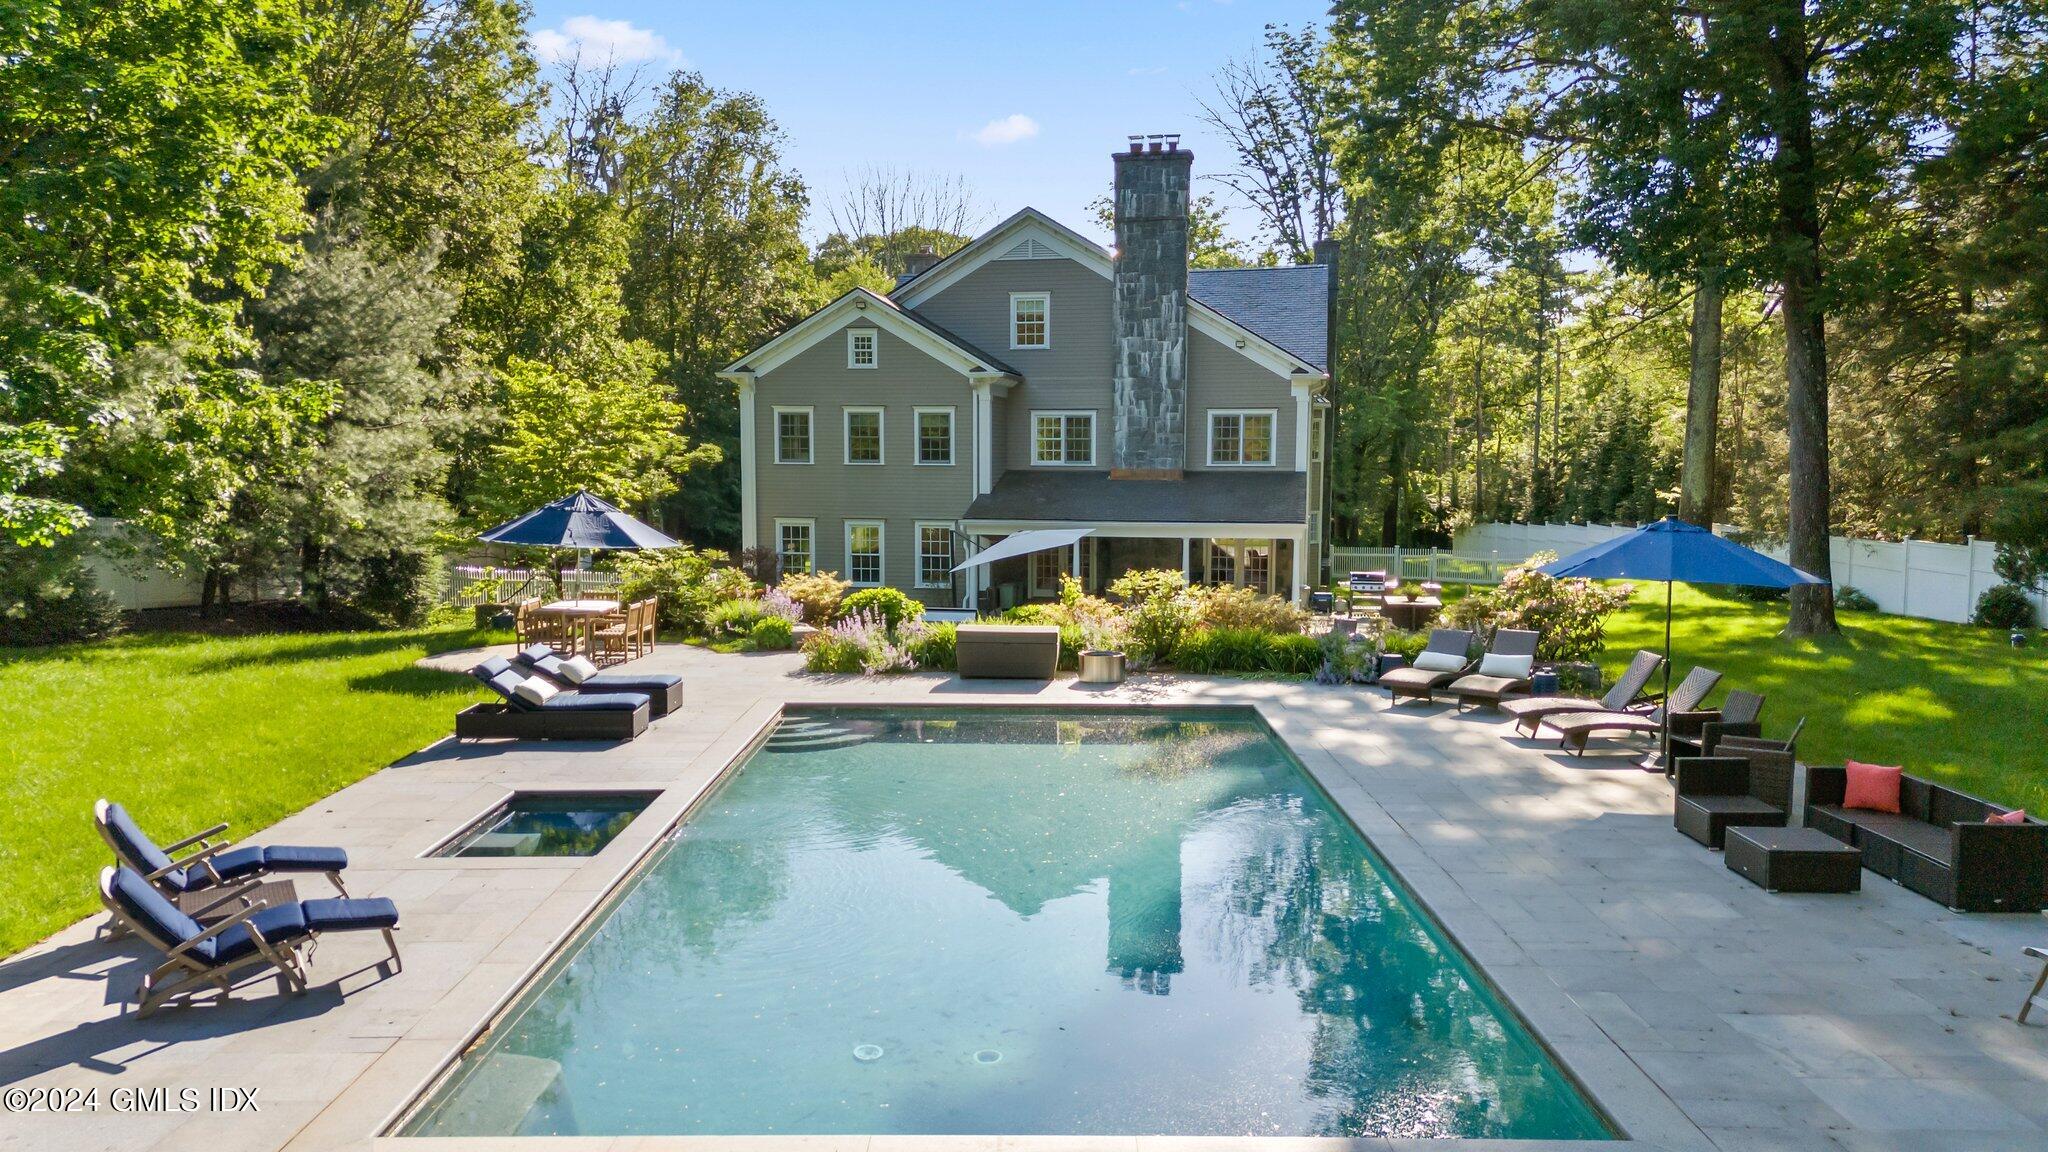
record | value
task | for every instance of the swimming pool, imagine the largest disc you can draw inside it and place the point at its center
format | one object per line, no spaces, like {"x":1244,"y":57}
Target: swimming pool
{"x":1012,"y":921}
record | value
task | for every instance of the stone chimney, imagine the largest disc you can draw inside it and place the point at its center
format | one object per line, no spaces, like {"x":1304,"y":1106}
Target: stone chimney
{"x":916,"y":264}
{"x":1149,"y":319}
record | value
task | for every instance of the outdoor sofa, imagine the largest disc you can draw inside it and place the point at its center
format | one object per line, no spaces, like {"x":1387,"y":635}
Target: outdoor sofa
{"x":546,"y":713}
{"x":664,"y":690}
{"x":1575,"y":728}
{"x":1716,"y":793}
{"x":1441,"y":662}
{"x":1626,"y":694}
{"x":252,"y":935}
{"x":210,"y":863}
{"x":1010,"y":652}
{"x":1938,"y":843}
{"x":1503,"y":671}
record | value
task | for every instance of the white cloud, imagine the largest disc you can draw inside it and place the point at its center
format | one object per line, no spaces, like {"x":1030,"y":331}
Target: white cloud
{"x":596,"y":39}
{"x":1007,"y":130}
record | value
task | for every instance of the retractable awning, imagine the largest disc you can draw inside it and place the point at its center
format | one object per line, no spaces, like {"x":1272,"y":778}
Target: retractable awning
{"x":1024,"y":543}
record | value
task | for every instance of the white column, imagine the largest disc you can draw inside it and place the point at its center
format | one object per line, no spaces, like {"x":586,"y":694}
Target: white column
{"x":1300,"y":581}
{"x":1076,"y":560}
{"x":1184,"y":555}
{"x":750,"y":527}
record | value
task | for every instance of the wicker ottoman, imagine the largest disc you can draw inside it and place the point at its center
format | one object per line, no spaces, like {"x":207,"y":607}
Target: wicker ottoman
{"x":1794,"y":860}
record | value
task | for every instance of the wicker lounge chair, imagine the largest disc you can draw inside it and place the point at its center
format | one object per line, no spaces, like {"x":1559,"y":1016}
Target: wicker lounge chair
{"x":1716,"y":793}
{"x":1517,"y":649}
{"x":1447,"y":649}
{"x":252,"y":936}
{"x":1574,"y":728}
{"x":664,"y":690}
{"x":1626,"y":695}
{"x":1938,"y":843}
{"x":210,"y":863}
{"x":1699,"y":732}
{"x":562,"y":716}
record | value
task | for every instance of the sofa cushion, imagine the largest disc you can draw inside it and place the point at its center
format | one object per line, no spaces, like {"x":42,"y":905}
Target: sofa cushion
{"x":1732,"y":805}
{"x":1873,"y":787}
{"x":2016,"y":816}
{"x":1917,"y":835}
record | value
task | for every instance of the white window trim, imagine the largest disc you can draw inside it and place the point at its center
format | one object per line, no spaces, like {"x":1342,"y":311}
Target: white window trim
{"x":881,"y":528}
{"x":875,"y":360}
{"x":1016,"y":296}
{"x":810,"y":416}
{"x":846,"y":435}
{"x":1063,"y":413}
{"x":917,"y":416}
{"x":809,"y":525}
{"x":1272,"y":437}
{"x":917,"y":574}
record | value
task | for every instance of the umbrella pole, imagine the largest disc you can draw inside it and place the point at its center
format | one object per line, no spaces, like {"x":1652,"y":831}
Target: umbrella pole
{"x":1664,"y":737}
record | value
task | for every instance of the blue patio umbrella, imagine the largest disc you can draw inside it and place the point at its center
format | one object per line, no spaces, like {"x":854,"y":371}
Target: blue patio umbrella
{"x":582,"y":522}
{"x":1672,"y":550}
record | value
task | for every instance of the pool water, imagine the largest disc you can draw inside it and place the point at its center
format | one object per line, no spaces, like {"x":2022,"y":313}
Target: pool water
{"x":550,"y":824}
{"x":975,"y":922}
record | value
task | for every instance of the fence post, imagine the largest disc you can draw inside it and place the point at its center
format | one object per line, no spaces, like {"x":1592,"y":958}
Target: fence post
{"x":1432,"y":564}
{"x":1969,"y":577}
{"x":1906,"y":576}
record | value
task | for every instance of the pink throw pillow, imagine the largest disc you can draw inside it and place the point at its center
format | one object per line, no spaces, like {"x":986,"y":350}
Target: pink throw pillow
{"x":2016,"y":816}
{"x":1872,"y":786}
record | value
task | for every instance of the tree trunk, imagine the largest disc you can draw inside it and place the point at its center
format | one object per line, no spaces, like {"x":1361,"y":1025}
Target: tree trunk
{"x":1797,"y":243}
{"x":209,"y":593}
{"x":1397,"y":476}
{"x":1702,"y":403}
{"x":312,"y":575}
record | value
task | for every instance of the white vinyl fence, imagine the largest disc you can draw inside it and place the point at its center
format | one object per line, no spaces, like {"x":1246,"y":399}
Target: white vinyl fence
{"x":1906,"y":578}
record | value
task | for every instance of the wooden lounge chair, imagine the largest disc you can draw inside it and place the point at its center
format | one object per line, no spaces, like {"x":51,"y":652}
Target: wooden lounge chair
{"x":664,"y":690}
{"x":209,"y":863}
{"x":252,"y":936}
{"x":1626,"y":695}
{"x":1574,"y":728}
{"x":1503,"y":671}
{"x":548,"y":713}
{"x":1440,"y":663}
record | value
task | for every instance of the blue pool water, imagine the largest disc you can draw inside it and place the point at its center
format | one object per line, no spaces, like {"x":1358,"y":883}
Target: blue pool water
{"x":1012,"y":922}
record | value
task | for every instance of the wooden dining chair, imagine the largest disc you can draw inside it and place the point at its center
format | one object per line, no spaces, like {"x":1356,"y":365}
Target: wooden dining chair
{"x":643,"y":636}
{"x":611,"y":637}
{"x":526,"y":623}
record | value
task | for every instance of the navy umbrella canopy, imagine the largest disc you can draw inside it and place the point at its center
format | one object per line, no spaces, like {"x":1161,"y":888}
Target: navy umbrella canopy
{"x":1672,"y":550}
{"x":582,"y":522}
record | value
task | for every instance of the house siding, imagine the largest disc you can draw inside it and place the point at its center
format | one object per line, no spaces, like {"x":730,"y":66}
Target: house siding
{"x":899,"y":492}
{"x":1220,"y":376}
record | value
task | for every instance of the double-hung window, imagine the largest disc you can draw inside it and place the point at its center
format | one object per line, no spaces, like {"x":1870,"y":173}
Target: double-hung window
{"x":863,"y":435}
{"x":1030,"y":320}
{"x":1240,"y":439}
{"x":862,"y":349}
{"x":864,"y":553}
{"x":792,"y":435}
{"x":793,"y":548}
{"x":934,"y":555}
{"x":934,"y":435}
{"x":1063,"y":438}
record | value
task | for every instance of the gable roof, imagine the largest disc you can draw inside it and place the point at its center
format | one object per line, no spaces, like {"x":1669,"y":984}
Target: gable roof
{"x":887,"y":314}
{"x":1289,"y":305}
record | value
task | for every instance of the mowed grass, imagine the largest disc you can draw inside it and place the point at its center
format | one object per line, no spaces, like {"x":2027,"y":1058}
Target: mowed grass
{"x":1950,"y":702}
{"x":189,"y":731}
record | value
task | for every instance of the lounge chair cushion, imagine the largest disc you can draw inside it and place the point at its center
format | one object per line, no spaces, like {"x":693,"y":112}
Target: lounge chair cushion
{"x":135,"y":844}
{"x":1615,"y":721}
{"x":536,"y":691}
{"x":250,"y":860}
{"x":1546,"y":705}
{"x":279,"y":924}
{"x":1490,"y":686}
{"x":1508,"y":667}
{"x":348,"y":915}
{"x":1874,"y":787}
{"x":594,"y":702}
{"x":232,"y":864}
{"x":303,"y":858}
{"x":1438,"y":662}
{"x":577,"y":669}
{"x":150,"y":911}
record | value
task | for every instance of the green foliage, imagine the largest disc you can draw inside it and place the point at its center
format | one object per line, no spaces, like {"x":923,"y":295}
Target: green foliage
{"x":892,"y":605}
{"x":773,"y":634}
{"x":688,"y":583}
{"x":1407,"y":645}
{"x":1160,"y":608}
{"x":935,"y":648}
{"x":832,"y":654}
{"x":1345,"y":659}
{"x":2004,"y":606}
{"x":733,"y":618}
{"x":1227,"y":606}
{"x":817,"y":593}
{"x":1568,"y":614}
{"x":1851,"y":599}
{"x":398,"y":587}
{"x":48,"y":596}
{"x":1205,"y":651}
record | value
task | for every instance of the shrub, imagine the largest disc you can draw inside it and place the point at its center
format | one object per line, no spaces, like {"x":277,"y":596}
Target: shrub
{"x":1345,"y":658}
{"x":2004,"y":606}
{"x":762,"y":563}
{"x":1406,"y":644}
{"x":827,"y":653}
{"x":775,"y":602}
{"x":685,"y":582}
{"x":893,"y":606}
{"x":816,"y":593}
{"x":1034,"y":614}
{"x":1758,"y":594}
{"x":1229,"y":607}
{"x":398,"y":587}
{"x":1160,"y":609}
{"x":934,"y":646}
{"x":1293,"y":654}
{"x":860,"y":642}
{"x":773,"y":634}
{"x":48,"y":596}
{"x":1212,"y":650}
{"x":733,"y":618}
{"x":1568,"y":614}
{"x":1852,"y":599}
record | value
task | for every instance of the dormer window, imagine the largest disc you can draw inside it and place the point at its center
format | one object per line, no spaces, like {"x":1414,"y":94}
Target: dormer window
{"x":1030,"y":320}
{"x":861,"y":350}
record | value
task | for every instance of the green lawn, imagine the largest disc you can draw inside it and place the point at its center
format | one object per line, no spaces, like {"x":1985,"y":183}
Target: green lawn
{"x":1948,"y":701}
{"x":188,"y":731}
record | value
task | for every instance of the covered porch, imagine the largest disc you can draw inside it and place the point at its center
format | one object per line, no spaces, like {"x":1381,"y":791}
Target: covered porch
{"x":1271,"y":558}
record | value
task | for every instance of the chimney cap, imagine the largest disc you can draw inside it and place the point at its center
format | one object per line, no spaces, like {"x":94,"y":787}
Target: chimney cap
{"x":1153,"y":142}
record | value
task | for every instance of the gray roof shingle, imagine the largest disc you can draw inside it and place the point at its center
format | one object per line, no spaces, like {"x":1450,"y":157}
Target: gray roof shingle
{"x":1058,"y":496}
{"x":1289,"y":306}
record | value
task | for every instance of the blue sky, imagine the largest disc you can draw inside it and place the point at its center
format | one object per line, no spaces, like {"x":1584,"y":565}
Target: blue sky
{"x":1026,"y":101}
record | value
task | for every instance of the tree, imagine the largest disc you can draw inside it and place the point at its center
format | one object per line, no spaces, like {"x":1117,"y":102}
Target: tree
{"x":1273,"y":110}
{"x":890,"y":213}
{"x":1210,"y":244}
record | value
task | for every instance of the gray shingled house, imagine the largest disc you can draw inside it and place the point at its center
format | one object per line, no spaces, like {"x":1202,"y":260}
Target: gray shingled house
{"x":1033,"y":381}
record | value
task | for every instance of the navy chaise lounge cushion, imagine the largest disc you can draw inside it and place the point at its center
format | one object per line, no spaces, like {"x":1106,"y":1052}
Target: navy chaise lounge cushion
{"x":549,"y":662}
{"x":502,"y":678}
{"x":349,"y":914}
{"x":232,"y":864}
{"x":278,"y":924}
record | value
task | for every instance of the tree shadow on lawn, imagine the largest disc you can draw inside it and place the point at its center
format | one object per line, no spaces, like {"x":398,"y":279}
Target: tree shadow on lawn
{"x":413,"y":680}
{"x":296,"y":650}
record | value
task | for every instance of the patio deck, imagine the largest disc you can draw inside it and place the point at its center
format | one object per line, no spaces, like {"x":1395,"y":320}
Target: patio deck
{"x":1698,"y":1010}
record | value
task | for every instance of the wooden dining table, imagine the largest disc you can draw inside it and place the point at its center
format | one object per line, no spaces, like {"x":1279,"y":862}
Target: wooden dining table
{"x":577,"y":616}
